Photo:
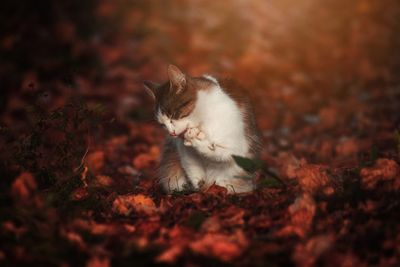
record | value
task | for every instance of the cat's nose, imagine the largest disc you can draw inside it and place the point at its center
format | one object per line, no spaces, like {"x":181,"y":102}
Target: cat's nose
{"x":173,"y":134}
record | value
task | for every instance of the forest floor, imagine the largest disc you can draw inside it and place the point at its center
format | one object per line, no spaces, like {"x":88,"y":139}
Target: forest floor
{"x":339,"y":206}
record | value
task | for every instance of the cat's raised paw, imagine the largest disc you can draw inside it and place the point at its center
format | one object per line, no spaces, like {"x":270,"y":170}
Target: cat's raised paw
{"x":187,"y":143}
{"x":201,"y":136}
{"x":192,"y":134}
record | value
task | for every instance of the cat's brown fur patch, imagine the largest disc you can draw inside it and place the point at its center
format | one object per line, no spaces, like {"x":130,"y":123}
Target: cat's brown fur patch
{"x":178,"y":105}
{"x":170,"y":170}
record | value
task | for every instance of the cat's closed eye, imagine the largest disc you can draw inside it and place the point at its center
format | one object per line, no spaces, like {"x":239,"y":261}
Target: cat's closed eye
{"x":185,"y":109}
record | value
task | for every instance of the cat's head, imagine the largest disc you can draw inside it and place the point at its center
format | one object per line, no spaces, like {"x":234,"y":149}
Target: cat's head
{"x":176,"y":99}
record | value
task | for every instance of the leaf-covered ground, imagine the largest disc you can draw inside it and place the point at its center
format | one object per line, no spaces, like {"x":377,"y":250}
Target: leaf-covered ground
{"x":79,"y":146}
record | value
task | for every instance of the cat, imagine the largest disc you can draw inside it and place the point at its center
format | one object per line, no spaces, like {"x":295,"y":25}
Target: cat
{"x":208,"y":121}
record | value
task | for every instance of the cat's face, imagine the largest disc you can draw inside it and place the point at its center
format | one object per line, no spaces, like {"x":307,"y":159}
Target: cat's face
{"x":175,"y":100}
{"x":175,"y":127}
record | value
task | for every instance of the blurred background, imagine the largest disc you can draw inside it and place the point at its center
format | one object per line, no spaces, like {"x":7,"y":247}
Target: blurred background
{"x":303,"y":62}
{"x":330,"y":66}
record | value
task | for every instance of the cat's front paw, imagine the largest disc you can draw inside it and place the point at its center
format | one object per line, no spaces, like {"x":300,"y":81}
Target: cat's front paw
{"x":192,"y":136}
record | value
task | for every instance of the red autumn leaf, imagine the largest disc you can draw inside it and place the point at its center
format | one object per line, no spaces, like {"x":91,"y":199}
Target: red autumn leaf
{"x":347,"y":147}
{"x":312,"y":178}
{"x":307,"y":254}
{"x":383,"y":170}
{"x":74,"y":238}
{"x":233,"y":216}
{"x":80,"y":193}
{"x":301,"y":213}
{"x":171,"y":254}
{"x":140,"y":203}
{"x":211,"y":225}
{"x":146,"y":160}
{"x":216,"y":190}
{"x":224,"y":247}
{"x":97,"y":261}
{"x":143,"y":161}
{"x":103,"y":180}
{"x":288,"y":164}
{"x":95,"y":160}
{"x":23,"y":186}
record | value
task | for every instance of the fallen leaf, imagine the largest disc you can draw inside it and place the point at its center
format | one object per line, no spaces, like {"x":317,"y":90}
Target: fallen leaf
{"x":140,"y":203}
{"x":97,"y":261}
{"x":216,"y":190}
{"x":143,"y":161}
{"x":302,"y":213}
{"x":103,"y":180}
{"x":307,"y":254}
{"x":23,"y":187}
{"x":80,"y":193}
{"x":312,"y":177}
{"x":74,"y":238}
{"x":383,"y":170}
{"x":95,"y":160}
{"x":232,"y":216}
{"x":347,"y":147}
{"x":288,"y":164}
{"x":224,"y":247}
{"x":171,"y":254}
{"x":211,"y":225}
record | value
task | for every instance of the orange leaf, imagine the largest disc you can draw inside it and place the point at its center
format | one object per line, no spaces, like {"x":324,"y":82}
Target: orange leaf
{"x":96,"y":261}
{"x":23,"y":186}
{"x":95,"y":160}
{"x":140,"y":203}
{"x":383,"y":170}
{"x":143,"y":161}
{"x":224,"y":247}
{"x":312,"y":177}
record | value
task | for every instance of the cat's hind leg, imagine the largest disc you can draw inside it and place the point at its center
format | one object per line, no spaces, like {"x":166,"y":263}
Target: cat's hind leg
{"x":171,"y":173}
{"x":193,"y":166}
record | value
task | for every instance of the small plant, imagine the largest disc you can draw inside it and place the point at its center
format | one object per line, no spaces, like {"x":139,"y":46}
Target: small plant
{"x":53,"y":145}
{"x":251,"y":166}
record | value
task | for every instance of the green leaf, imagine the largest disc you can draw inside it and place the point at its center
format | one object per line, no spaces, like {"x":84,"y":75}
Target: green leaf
{"x":247,"y":164}
{"x":244,"y":177}
{"x":251,"y":166}
{"x":270,"y":182}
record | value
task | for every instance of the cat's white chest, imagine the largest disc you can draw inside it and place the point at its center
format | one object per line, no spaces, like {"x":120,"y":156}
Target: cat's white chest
{"x":221,"y":120}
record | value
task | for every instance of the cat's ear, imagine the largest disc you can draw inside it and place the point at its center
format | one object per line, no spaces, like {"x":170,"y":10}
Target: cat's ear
{"x":151,"y":88}
{"x":177,"y":78}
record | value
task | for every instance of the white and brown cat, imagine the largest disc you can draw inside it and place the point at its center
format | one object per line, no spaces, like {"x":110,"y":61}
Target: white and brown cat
{"x":208,"y":122}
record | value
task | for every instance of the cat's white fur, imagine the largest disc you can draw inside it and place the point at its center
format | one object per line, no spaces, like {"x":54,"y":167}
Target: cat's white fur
{"x":213,"y":132}
{"x":211,"y":78}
